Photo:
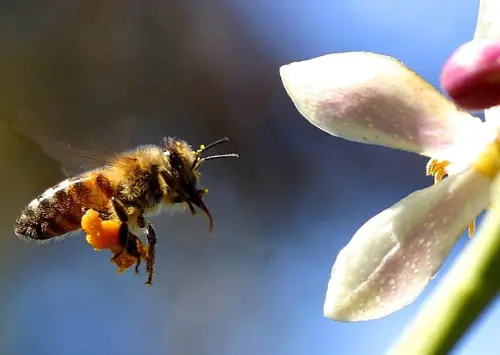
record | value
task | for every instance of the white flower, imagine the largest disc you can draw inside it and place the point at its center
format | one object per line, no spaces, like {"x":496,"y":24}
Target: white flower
{"x":374,"y":99}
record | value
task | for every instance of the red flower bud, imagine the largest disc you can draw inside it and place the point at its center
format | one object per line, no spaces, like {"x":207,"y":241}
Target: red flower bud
{"x":471,"y":75}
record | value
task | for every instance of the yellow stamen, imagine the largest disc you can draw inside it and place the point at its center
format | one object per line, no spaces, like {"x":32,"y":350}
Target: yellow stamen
{"x":437,"y":169}
{"x":472,"y":228}
{"x":488,"y":164}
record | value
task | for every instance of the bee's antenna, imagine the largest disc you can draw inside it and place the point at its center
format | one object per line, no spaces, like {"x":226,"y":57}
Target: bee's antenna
{"x":198,"y":160}
{"x":220,"y":156}
{"x":211,"y":145}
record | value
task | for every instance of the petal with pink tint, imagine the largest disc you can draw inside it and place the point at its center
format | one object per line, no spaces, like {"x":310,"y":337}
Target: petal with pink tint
{"x":471,"y":75}
{"x":492,"y":117}
{"x":393,"y":256}
{"x":375,"y":99}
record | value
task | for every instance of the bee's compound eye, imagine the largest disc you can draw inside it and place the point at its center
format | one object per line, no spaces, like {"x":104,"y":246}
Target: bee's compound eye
{"x":175,"y":161}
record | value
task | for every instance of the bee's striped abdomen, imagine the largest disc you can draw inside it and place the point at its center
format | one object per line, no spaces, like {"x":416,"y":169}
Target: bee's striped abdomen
{"x":57,"y":211}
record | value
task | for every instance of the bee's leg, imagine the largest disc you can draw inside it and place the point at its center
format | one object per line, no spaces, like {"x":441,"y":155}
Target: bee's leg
{"x":150,"y":257}
{"x":119,"y":210}
{"x":123,"y":240}
{"x":123,"y":234}
{"x":133,"y":250}
{"x":150,"y":261}
{"x":137,"y":264}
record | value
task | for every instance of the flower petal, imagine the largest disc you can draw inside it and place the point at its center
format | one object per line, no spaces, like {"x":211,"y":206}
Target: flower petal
{"x":492,"y":116}
{"x":393,"y":256}
{"x":471,"y":75}
{"x":375,"y":99}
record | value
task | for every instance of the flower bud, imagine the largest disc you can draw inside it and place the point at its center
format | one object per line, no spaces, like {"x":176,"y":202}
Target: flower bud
{"x":471,"y":75}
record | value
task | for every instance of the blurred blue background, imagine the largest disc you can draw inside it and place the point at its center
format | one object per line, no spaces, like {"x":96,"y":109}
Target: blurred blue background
{"x":201,"y":70}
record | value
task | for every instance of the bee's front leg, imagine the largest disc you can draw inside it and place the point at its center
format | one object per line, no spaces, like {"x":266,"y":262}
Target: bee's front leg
{"x":150,"y":257}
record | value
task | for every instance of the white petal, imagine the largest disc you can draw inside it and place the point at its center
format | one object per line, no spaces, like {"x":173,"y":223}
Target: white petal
{"x":372,"y":98}
{"x":492,"y":116}
{"x":394,"y":255}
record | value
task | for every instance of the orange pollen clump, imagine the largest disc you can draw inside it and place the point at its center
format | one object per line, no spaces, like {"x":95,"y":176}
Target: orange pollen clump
{"x":100,"y":234}
{"x":103,"y":234}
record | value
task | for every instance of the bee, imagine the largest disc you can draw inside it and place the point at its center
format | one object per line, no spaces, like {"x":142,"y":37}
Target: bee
{"x":136,"y":184}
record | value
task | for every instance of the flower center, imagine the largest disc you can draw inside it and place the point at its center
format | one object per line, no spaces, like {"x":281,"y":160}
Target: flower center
{"x":487,"y":164}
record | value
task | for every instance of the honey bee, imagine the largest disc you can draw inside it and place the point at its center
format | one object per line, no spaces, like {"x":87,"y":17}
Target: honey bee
{"x":134,"y":185}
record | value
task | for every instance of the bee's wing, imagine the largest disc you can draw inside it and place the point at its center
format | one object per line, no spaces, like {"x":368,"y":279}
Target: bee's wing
{"x":81,"y":152}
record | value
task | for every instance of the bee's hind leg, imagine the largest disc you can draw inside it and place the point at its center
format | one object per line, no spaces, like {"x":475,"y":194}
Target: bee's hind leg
{"x":150,"y":256}
{"x":133,"y":246}
{"x":123,"y":233}
{"x":130,"y":242}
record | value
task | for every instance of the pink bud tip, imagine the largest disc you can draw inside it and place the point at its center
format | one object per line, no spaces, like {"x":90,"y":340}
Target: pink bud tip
{"x":471,"y":75}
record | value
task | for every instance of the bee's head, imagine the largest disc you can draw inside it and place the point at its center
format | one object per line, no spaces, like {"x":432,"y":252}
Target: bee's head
{"x":182,"y":173}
